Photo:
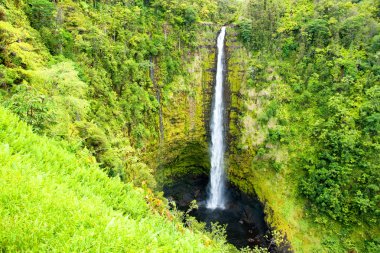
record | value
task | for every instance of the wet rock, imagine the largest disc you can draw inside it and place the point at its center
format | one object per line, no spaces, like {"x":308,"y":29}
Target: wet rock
{"x":186,"y":199}
{"x":243,"y":215}
{"x":251,"y":240}
{"x":197,"y":192}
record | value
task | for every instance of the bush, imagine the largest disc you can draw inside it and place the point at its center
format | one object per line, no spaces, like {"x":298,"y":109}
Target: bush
{"x":318,"y":32}
{"x":40,"y":13}
{"x":245,"y":31}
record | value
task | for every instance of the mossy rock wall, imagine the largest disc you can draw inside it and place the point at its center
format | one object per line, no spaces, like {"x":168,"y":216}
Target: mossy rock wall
{"x":259,"y":165}
{"x":186,"y":113}
{"x":237,"y":62}
{"x":249,"y":170}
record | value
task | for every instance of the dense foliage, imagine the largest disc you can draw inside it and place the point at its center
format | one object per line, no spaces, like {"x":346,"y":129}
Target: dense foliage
{"x":97,"y":73}
{"x":316,"y":63}
{"x":94,"y":72}
{"x":55,"y":200}
{"x":92,"y":76}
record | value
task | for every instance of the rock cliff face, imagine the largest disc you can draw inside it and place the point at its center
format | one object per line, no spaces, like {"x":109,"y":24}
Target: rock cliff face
{"x":254,"y":164}
{"x":237,"y":64}
{"x":186,"y":113}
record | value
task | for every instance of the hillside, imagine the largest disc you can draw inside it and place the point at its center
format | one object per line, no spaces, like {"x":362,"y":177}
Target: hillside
{"x":55,"y":200}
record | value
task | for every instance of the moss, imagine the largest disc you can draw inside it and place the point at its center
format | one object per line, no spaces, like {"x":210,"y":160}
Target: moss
{"x":257,"y":163}
{"x":255,"y":174}
{"x":185,"y":116}
{"x":185,"y":158}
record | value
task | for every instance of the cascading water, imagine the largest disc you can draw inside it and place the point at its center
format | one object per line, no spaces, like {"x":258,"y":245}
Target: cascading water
{"x":217,"y":176}
{"x":243,"y":215}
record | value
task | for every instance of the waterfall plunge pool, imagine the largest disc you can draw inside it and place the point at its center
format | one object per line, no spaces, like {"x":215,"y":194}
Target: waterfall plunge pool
{"x":243,"y":214}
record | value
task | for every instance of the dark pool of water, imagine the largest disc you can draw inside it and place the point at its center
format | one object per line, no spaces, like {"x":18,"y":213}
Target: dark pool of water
{"x":243,"y":214}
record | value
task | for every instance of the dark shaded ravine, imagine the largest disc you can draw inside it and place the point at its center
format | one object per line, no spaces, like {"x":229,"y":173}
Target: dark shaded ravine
{"x":243,"y":214}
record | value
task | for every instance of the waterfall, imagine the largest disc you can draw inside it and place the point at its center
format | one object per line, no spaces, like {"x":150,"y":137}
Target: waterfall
{"x":217,"y":175}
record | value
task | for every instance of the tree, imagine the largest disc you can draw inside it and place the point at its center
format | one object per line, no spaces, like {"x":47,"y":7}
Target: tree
{"x":40,"y":13}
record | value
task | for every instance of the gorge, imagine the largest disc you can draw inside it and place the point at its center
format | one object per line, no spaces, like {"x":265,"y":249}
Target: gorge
{"x":116,"y":116}
{"x":218,"y":201}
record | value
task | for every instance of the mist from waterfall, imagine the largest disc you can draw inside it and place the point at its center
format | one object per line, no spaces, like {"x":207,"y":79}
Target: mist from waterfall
{"x":217,"y":175}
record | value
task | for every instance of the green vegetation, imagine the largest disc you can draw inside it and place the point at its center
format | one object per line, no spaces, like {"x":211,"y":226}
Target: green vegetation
{"x":55,"y":200}
{"x":91,"y":76}
{"x":124,"y":87}
{"x":310,"y":120}
{"x":96,"y":73}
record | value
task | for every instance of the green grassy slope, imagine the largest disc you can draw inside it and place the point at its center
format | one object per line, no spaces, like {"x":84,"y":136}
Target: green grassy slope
{"x":53,"y":200}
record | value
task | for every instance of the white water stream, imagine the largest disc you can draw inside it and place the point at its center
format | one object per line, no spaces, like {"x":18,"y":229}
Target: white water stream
{"x":217,"y":176}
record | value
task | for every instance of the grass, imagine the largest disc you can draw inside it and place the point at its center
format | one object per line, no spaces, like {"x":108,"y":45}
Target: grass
{"x":53,"y":200}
